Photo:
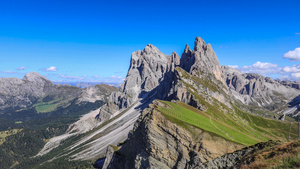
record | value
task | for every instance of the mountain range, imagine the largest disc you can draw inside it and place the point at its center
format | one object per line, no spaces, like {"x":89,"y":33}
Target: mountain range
{"x":170,"y":112}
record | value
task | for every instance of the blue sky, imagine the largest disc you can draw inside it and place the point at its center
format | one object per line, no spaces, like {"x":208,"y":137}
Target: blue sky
{"x":92,"y":40}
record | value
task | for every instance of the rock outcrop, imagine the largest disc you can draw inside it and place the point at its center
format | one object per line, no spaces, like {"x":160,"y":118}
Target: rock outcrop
{"x":291,"y":84}
{"x":150,"y":71}
{"x":202,"y":61}
{"x":158,"y":143}
{"x":235,"y":159}
{"x":256,"y":90}
{"x":147,"y":70}
{"x":97,"y":92}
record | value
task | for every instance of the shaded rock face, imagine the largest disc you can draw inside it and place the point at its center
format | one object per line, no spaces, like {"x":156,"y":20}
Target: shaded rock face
{"x":158,"y":143}
{"x":147,"y":70}
{"x":150,"y":71}
{"x":202,"y":60}
{"x":295,"y":85}
{"x":254,"y":89}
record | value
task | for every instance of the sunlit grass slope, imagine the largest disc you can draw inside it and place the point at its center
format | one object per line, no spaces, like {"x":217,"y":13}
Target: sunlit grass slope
{"x":239,"y":127}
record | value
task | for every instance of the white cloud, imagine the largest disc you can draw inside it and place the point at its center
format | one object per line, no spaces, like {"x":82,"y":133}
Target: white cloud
{"x":51,"y":69}
{"x":265,"y":65}
{"x":261,"y":65}
{"x":291,"y":69}
{"x":291,"y":72}
{"x":297,"y":33}
{"x":263,"y":68}
{"x":293,"y":55}
{"x":21,"y":68}
{"x":295,"y":75}
{"x":233,"y":66}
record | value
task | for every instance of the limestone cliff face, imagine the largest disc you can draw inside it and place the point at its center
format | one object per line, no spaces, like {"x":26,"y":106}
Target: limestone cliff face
{"x":201,"y":61}
{"x":194,"y":90}
{"x":158,"y":143}
{"x":97,"y":92}
{"x":150,"y":71}
{"x":254,"y":89}
{"x":291,"y":84}
{"x":199,"y":74}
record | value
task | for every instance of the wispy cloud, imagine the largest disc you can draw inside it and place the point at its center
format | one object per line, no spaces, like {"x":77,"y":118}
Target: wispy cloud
{"x":71,"y":77}
{"x":297,"y":33}
{"x":50,"y":69}
{"x":263,"y":68}
{"x":269,"y":69}
{"x":21,"y":68}
{"x":293,"y":55}
{"x":233,"y":66}
{"x":261,"y":65}
{"x":291,"y":69}
{"x":9,"y":72}
{"x":114,"y":79}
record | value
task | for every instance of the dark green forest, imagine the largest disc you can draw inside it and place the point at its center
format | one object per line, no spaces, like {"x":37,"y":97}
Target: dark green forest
{"x":18,"y":149}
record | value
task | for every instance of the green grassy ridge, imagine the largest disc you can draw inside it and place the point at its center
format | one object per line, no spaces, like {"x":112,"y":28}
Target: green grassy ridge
{"x":254,"y":130}
{"x":256,"y":126}
{"x":270,"y":126}
{"x":188,"y":116}
{"x":229,"y":118}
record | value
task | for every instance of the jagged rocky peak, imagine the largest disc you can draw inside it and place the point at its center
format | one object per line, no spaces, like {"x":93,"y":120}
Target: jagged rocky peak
{"x":186,"y":58}
{"x":201,"y":60}
{"x":150,"y":71}
{"x":147,"y":70}
{"x":174,"y":59}
{"x":150,"y":49}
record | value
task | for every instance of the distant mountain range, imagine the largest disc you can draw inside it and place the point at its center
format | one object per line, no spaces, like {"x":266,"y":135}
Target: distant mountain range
{"x":86,"y":84}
